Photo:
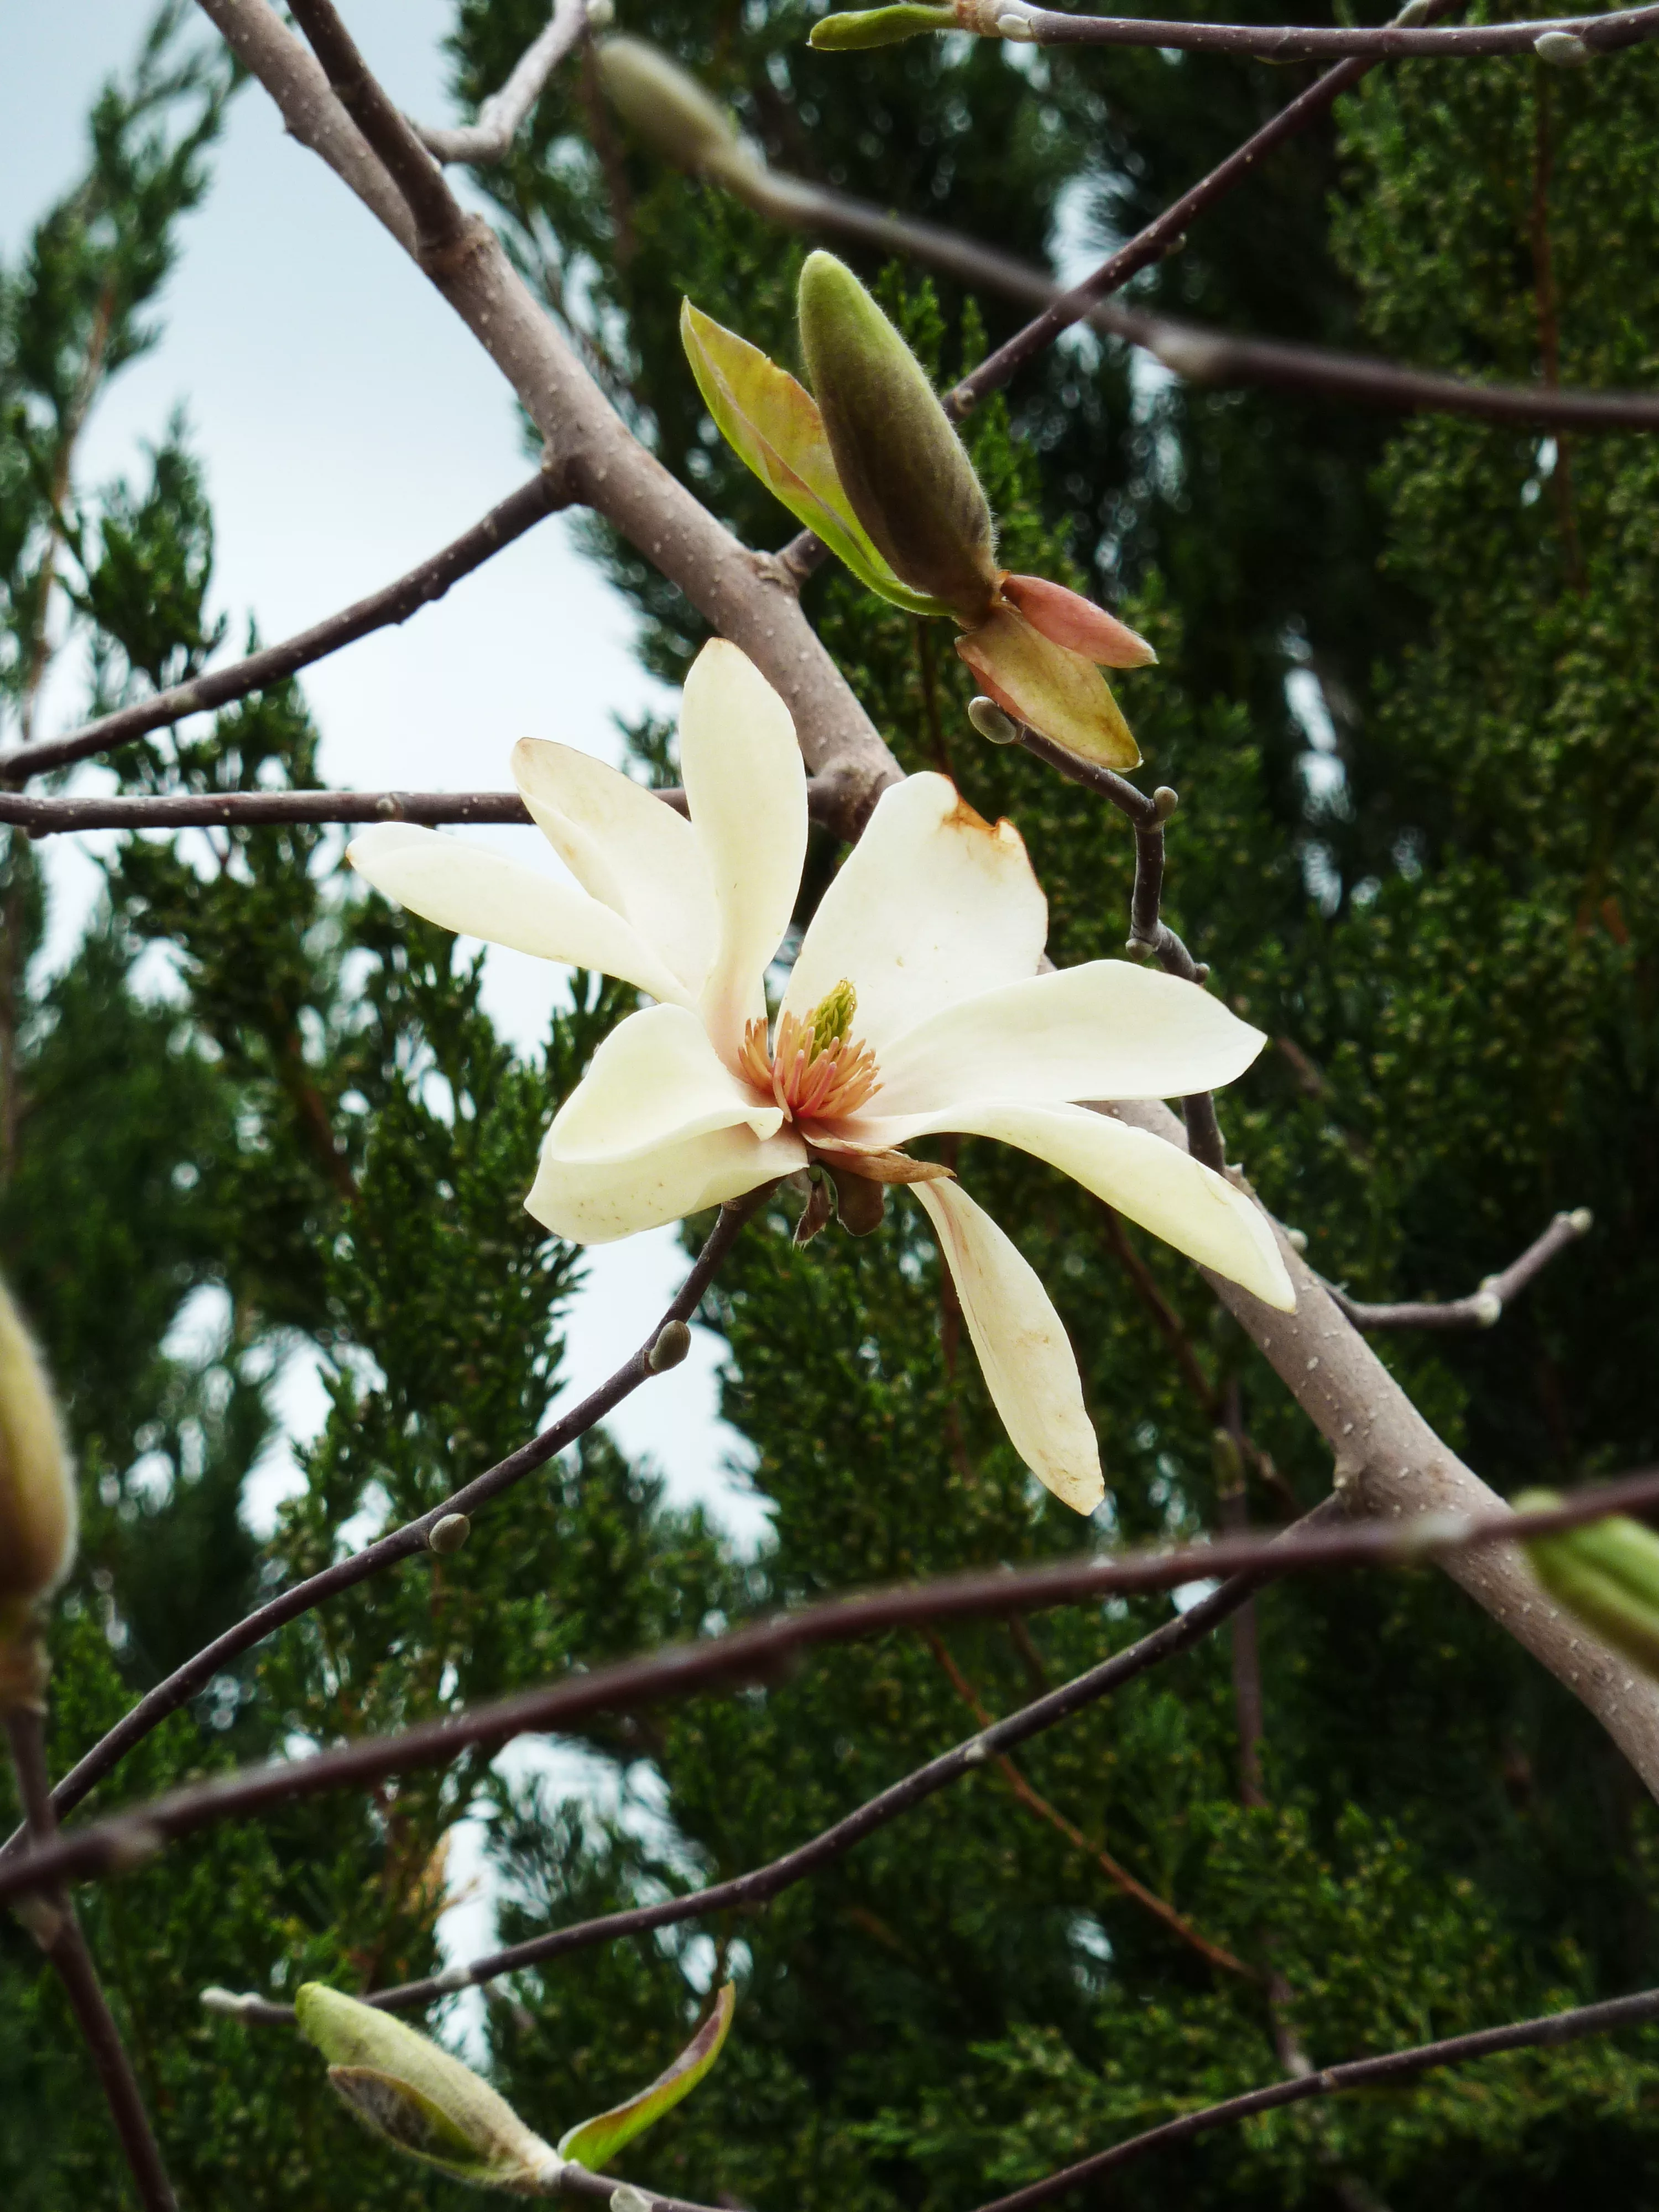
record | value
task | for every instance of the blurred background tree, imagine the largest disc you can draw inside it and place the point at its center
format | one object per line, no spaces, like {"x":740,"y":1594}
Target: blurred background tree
{"x":1407,"y":692}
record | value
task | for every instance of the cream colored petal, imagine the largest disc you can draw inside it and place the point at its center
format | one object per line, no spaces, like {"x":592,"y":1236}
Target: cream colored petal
{"x":1107,"y":1030}
{"x":1176,"y":1197}
{"x":627,"y":849}
{"x":931,"y":906}
{"x":656,"y":1079}
{"x":746,"y":787}
{"x":478,"y":893}
{"x":1028,"y":1364}
{"x":595,"y":1201}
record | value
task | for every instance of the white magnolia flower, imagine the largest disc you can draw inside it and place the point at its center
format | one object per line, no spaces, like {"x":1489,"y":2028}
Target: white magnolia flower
{"x":915,"y":1007}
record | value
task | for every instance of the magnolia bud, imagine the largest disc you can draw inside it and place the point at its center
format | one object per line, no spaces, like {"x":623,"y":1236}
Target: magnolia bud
{"x":37,"y":1485}
{"x":414,"y":2096}
{"x":988,"y":718}
{"x":448,"y":1534}
{"x":1563,"y":49}
{"x":880,"y":26}
{"x":671,"y":1343}
{"x":1607,"y":1573}
{"x":669,"y":109}
{"x":900,"y":465}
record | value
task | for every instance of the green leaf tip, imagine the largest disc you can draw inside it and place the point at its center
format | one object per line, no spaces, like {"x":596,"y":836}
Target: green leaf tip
{"x":415,"y":2097}
{"x":1606,"y":1574}
{"x":880,"y":26}
{"x":592,"y":2142}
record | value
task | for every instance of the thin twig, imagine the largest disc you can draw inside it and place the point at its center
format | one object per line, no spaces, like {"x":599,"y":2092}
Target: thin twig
{"x":51,"y":1920}
{"x":761,"y":1652}
{"x":1483,"y":1307}
{"x":1602,"y":34}
{"x":1552,"y":2028}
{"x":1115,"y":1870}
{"x":403,"y":1543}
{"x":490,"y":138}
{"x":393,"y":603}
{"x":439,"y":217}
{"x":748,"y":1891}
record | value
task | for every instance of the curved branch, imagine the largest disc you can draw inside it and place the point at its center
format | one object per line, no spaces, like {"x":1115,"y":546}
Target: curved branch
{"x":490,"y":138}
{"x":1289,"y":42}
{"x":1483,"y":1307}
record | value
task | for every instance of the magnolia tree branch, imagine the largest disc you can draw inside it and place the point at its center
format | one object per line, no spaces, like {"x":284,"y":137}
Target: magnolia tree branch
{"x":393,"y":603}
{"x":747,"y":1892}
{"x":1595,"y":35}
{"x":50,"y":1919}
{"x":1465,"y":1540}
{"x":665,"y":1347}
{"x":1483,"y":1307}
{"x":491,"y":137}
{"x":746,"y":596}
{"x":1552,"y":2028}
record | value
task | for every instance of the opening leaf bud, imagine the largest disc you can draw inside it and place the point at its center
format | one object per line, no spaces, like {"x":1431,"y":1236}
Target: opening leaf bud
{"x":668,"y":108}
{"x":880,"y":26}
{"x":38,"y":1506}
{"x":593,"y":2143}
{"x":673,"y":1341}
{"x":901,"y":464}
{"x":1606,"y":1573}
{"x":418,"y":2098}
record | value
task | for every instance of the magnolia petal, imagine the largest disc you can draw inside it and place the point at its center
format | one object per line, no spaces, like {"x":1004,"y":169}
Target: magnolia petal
{"x":875,"y":1163}
{"x":595,"y":1201}
{"x":1157,"y":1184}
{"x":625,"y":847}
{"x":1059,"y":694}
{"x":933,"y":905}
{"x":1066,"y":618}
{"x":1107,"y":1029}
{"x":656,"y":1079}
{"x":478,"y":893}
{"x":746,"y":787}
{"x":1028,"y":1364}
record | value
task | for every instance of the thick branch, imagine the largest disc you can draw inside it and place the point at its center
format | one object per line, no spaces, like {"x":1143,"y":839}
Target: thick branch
{"x":394,"y":603}
{"x":1483,"y":1307}
{"x":1464,"y":1540}
{"x":1552,"y":2028}
{"x":1602,"y":35}
{"x":490,"y":138}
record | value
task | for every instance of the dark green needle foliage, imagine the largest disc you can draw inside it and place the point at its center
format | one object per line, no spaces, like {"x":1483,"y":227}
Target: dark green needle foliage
{"x":259,"y":1121}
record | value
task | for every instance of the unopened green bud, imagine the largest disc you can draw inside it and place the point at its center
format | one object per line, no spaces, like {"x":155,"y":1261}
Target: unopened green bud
{"x":415,"y":2097}
{"x":669,"y":1347}
{"x":902,"y":466}
{"x":880,"y":26}
{"x":37,"y":1484}
{"x":667,"y":107}
{"x":449,"y":1533}
{"x":1607,"y":1573}
{"x":1562,"y":49}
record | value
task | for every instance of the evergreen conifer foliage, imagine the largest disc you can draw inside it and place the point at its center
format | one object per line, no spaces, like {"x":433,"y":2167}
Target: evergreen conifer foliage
{"x":1405,"y":689}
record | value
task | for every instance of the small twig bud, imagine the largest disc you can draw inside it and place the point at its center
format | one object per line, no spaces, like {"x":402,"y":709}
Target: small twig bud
{"x":1140,"y":948}
{"x":449,"y":1533}
{"x":1581,"y":1220}
{"x":1562,"y":49}
{"x":1014,"y":21}
{"x":601,"y":15}
{"x":988,"y":718}
{"x":624,"y":2197}
{"x":1486,"y":1307}
{"x":1297,"y":1239}
{"x":673,"y":1342}
{"x":1165,"y":802}
{"x":1201,"y":971}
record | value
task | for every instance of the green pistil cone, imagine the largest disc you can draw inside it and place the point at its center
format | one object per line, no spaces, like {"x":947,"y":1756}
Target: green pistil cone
{"x":880,"y":26}
{"x":901,"y":464}
{"x":832,"y":1017}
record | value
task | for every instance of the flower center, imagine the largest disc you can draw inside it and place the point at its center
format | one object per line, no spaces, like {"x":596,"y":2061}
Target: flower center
{"x":816,"y":1071}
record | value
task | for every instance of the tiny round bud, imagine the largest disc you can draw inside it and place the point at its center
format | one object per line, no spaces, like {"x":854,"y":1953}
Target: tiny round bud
{"x":988,"y":718}
{"x":38,"y":1514}
{"x":1165,"y":802}
{"x":1015,"y":23}
{"x":673,"y":1342}
{"x":1201,"y":971}
{"x":449,"y":1533}
{"x":1139,"y":949}
{"x":1487,"y":1307}
{"x":1562,"y":49}
{"x":1583,"y":1220}
{"x":1297,"y":1239}
{"x":601,"y":15}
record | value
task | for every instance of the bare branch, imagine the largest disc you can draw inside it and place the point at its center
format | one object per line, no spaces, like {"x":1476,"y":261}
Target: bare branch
{"x":51,"y":1921}
{"x":758,"y":1653}
{"x":393,"y":603}
{"x":1484,"y":1306}
{"x":1044,"y":27}
{"x":490,"y":138}
{"x":414,"y":1536}
{"x":1604,"y":2019}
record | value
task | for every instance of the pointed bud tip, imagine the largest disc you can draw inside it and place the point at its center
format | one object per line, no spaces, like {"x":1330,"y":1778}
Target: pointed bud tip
{"x":863,"y":28}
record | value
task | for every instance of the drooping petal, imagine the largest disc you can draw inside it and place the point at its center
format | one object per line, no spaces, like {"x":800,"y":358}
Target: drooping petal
{"x":655,"y":1129}
{"x":627,"y":849}
{"x":1157,"y":1184}
{"x":933,"y":905}
{"x":1107,"y":1030}
{"x":1059,"y":693}
{"x":746,"y":787}
{"x":1028,"y":1364}
{"x":1066,"y":618}
{"x":478,"y":893}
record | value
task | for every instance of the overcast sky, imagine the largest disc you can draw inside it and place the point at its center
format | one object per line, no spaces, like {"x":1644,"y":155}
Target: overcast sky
{"x":349,"y":426}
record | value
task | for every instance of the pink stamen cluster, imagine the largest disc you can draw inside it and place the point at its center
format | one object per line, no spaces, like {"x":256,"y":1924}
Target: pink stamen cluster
{"x":811,"y":1082}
